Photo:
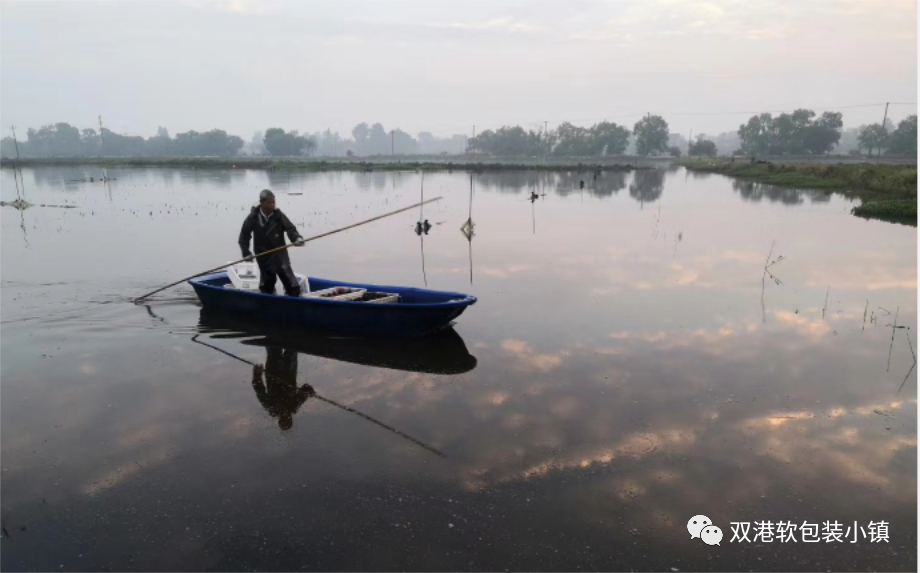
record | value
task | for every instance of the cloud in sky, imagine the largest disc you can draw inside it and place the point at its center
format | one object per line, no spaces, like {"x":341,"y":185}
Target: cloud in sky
{"x":443,"y":67}
{"x":505,"y":24}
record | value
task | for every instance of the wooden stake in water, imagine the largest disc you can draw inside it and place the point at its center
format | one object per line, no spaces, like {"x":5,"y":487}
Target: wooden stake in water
{"x":421,"y":218}
{"x":914,"y":365}
{"x":864,"y":315}
{"x":15,"y":141}
{"x":894,"y":329}
{"x":826,"y":295}
{"x":17,"y":171}
{"x":378,"y":217}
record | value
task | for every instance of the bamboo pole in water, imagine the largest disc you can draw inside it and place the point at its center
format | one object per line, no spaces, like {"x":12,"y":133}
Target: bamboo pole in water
{"x":378,"y":217}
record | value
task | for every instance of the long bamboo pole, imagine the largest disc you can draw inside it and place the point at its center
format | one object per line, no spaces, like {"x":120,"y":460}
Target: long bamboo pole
{"x":378,"y":217}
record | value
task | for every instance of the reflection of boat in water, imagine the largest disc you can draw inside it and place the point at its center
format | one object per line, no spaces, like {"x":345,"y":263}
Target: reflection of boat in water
{"x":277,"y":389}
{"x":440,"y":353}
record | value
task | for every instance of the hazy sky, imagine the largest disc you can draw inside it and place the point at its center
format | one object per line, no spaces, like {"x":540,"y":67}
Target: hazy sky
{"x":442,"y":67}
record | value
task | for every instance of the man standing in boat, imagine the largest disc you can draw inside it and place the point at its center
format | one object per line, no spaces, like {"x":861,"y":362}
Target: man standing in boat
{"x":266,"y":226}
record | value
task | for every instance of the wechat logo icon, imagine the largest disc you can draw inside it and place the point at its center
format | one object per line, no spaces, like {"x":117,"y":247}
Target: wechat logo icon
{"x":701,"y":527}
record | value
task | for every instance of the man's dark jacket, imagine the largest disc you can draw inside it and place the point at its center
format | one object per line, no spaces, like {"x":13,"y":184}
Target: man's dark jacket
{"x":266,"y":236}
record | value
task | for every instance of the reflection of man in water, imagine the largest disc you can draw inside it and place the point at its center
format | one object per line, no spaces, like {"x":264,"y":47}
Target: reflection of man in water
{"x":278,"y":393}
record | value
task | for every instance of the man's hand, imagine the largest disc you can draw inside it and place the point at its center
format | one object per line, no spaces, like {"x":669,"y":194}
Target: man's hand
{"x":300,"y":242}
{"x":248,"y":258}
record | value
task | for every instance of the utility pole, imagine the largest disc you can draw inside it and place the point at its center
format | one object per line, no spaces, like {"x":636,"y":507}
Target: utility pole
{"x":884,"y":130}
{"x":15,"y":141}
{"x":101,"y":136}
{"x":392,"y":142}
{"x":689,"y":142}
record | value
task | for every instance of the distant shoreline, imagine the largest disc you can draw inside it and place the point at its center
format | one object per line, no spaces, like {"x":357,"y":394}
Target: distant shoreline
{"x":888,"y":191}
{"x":417,"y":162}
{"x":463,"y":163}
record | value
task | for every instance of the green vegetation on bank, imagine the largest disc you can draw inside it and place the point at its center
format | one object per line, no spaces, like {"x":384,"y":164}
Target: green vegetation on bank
{"x":888,"y":192}
{"x":893,"y":210}
{"x":305,"y":164}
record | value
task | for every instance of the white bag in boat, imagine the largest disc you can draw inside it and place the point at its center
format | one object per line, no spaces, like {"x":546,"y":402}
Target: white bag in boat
{"x":304,"y":283}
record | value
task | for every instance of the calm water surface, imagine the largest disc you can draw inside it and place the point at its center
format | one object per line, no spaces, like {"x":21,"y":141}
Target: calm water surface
{"x":629,"y":365}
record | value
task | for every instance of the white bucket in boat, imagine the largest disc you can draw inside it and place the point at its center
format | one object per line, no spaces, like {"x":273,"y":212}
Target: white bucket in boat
{"x":244,"y":276}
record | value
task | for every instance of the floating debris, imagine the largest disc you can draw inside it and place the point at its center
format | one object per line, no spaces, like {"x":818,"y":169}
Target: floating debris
{"x":20,"y":204}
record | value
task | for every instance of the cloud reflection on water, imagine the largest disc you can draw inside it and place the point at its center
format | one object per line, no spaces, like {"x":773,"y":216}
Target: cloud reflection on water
{"x":616,"y":384}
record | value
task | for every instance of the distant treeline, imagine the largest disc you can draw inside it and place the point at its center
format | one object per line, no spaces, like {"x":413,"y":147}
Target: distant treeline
{"x":567,"y":140}
{"x":801,"y":132}
{"x":367,"y":140}
{"x":65,"y":140}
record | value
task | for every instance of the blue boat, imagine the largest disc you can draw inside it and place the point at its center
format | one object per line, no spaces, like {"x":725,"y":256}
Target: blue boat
{"x":417,"y":313}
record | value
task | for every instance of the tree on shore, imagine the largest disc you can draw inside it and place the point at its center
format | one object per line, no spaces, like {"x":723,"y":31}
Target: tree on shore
{"x":796,"y":133}
{"x":508,"y":142}
{"x":279,"y":143}
{"x":904,"y":139}
{"x":757,"y":135}
{"x":703,"y":147}
{"x":872,"y":137}
{"x":820,"y":136}
{"x":609,"y":138}
{"x":651,"y":135}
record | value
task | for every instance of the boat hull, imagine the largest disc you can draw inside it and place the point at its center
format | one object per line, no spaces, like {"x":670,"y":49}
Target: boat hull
{"x":422,"y":312}
{"x":443,"y":352}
